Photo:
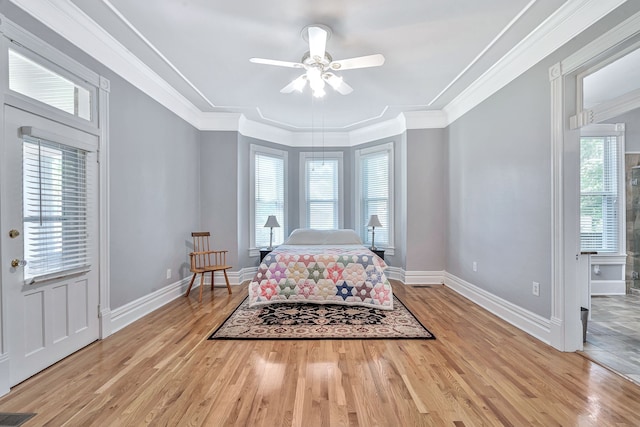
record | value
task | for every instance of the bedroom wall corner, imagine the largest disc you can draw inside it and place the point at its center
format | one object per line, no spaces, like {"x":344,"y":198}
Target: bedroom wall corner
{"x":219,"y":192}
{"x":426,"y":219}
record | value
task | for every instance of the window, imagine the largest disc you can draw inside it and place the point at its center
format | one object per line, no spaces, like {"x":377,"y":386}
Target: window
{"x":55,"y":190}
{"x":600,"y":177}
{"x":42,"y":84}
{"x":269,"y":170}
{"x":374,"y":192}
{"x":322,"y":190}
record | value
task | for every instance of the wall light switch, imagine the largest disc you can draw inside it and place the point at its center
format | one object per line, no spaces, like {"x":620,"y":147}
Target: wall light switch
{"x":168,"y":273}
{"x":475,"y":266}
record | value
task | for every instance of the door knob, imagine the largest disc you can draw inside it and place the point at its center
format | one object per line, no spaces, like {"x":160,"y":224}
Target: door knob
{"x":18,"y":263}
{"x":14,"y":233}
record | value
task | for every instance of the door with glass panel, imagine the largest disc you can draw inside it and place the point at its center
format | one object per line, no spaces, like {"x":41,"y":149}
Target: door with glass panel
{"x":50,"y":249}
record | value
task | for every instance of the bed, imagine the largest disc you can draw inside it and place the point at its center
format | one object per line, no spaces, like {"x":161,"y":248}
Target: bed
{"x":322,"y":267}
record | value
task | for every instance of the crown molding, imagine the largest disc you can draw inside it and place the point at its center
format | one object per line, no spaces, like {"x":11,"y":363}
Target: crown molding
{"x":567,"y":22}
{"x":66,"y":19}
{"x":70,"y":22}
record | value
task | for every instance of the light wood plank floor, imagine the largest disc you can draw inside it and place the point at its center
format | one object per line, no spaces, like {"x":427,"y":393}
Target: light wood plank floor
{"x":161,"y":370}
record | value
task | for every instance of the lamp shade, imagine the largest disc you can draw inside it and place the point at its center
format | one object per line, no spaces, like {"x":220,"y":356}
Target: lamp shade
{"x":374,"y":221}
{"x":272,"y":222}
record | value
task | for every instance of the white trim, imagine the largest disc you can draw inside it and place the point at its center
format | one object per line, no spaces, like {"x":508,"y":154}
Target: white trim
{"x":134,"y":310}
{"x":529,"y":322}
{"x":387,"y":147}
{"x":431,"y":119}
{"x":617,"y":130}
{"x":72,"y":23}
{"x":424,"y":277}
{"x":568,"y":21}
{"x":281,"y":154}
{"x":563,"y":336}
{"x":621,"y":32}
{"x":394,"y":273}
{"x":104,"y":218}
{"x":566,"y":330}
{"x":608,"y":287}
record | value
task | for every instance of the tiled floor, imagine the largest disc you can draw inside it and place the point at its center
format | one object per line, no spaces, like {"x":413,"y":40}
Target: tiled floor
{"x":613,"y":334}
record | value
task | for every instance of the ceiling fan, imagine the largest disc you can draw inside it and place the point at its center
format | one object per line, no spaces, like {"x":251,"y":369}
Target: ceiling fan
{"x":319,"y":66}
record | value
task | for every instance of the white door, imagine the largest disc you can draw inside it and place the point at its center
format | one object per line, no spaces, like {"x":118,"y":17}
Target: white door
{"x":49,"y":182}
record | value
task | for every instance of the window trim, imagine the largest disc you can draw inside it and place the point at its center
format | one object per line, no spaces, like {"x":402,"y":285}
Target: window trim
{"x":330,"y":155}
{"x":359,"y":153}
{"x":254,"y":149}
{"x":72,"y":119}
{"x":617,"y":130}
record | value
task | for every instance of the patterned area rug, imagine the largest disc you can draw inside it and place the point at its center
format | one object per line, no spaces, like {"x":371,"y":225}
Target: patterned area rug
{"x":313,"y":321}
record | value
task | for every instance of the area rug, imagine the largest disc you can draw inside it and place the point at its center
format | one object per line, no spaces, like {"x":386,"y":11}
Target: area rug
{"x":313,"y":321}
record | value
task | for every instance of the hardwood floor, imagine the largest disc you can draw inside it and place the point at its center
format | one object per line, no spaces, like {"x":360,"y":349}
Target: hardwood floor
{"x":161,"y":370}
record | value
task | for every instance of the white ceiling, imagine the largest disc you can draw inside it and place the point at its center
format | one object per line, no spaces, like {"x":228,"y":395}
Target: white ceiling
{"x":433,"y":50}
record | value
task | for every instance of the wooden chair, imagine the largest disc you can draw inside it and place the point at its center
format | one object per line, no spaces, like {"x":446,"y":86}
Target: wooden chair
{"x":204,"y":260}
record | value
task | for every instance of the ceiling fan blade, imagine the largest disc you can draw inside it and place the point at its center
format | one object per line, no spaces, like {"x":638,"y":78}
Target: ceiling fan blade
{"x":359,"y":62}
{"x":338,"y":84}
{"x":317,"y":43}
{"x":276,"y":63}
{"x":298,"y":84}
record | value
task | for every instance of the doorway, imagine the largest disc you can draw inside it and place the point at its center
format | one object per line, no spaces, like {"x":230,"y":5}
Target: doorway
{"x":50,"y":280}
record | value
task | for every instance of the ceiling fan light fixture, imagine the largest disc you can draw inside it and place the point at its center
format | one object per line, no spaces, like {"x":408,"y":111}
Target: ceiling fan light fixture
{"x":319,"y":93}
{"x":300,"y":83}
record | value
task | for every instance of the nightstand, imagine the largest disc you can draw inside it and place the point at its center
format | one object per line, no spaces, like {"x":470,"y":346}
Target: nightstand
{"x":379,"y":252}
{"x":263,"y":253}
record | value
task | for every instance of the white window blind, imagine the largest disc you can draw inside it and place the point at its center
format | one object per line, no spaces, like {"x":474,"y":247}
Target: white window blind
{"x":599,"y":191}
{"x":269,"y":197}
{"x":322,"y":195}
{"x":375,"y":192}
{"x":55,"y":208}
{"x":42,"y":84}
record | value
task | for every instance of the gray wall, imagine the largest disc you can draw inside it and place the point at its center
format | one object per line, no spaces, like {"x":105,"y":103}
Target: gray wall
{"x":426,"y":200}
{"x":154,"y":180}
{"x":219,"y":189}
{"x":154,"y":191}
{"x":499,"y":193}
{"x":420,"y":194}
{"x":499,"y":188}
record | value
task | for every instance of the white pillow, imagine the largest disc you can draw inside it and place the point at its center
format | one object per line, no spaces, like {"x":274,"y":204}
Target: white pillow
{"x":310,"y":236}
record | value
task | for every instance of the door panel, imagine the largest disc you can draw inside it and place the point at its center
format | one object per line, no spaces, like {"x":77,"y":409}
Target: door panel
{"x":57,"y":314}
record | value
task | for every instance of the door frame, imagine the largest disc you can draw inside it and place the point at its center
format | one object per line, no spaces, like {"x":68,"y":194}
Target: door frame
{"x":566,"y":119}
{"x":14,"y":36}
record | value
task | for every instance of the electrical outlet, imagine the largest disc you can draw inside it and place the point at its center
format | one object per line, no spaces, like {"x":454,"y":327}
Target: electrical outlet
{"x":168,"y":273}
{"x":475,"y":266}
{"x":536,"y":289}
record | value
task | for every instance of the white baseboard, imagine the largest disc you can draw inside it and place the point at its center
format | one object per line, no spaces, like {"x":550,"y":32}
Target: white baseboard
{"x":417,"y":278}
{"x":395,"y":273}
{"x":608,"y":287}
{"x":531,"y":323}
{"x":129,"y":313}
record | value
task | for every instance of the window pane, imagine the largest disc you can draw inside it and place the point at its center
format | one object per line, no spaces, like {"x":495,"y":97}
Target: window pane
{"x":269,"y":197}
{"x":599,"y":217}
{"x":322,"y":193}
{"x":55,"y":207}
{"x":35,"y":81}
{"x":375,"y":195}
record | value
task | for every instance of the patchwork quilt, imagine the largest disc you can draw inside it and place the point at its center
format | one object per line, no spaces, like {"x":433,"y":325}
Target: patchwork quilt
{"x":320,"y":274}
